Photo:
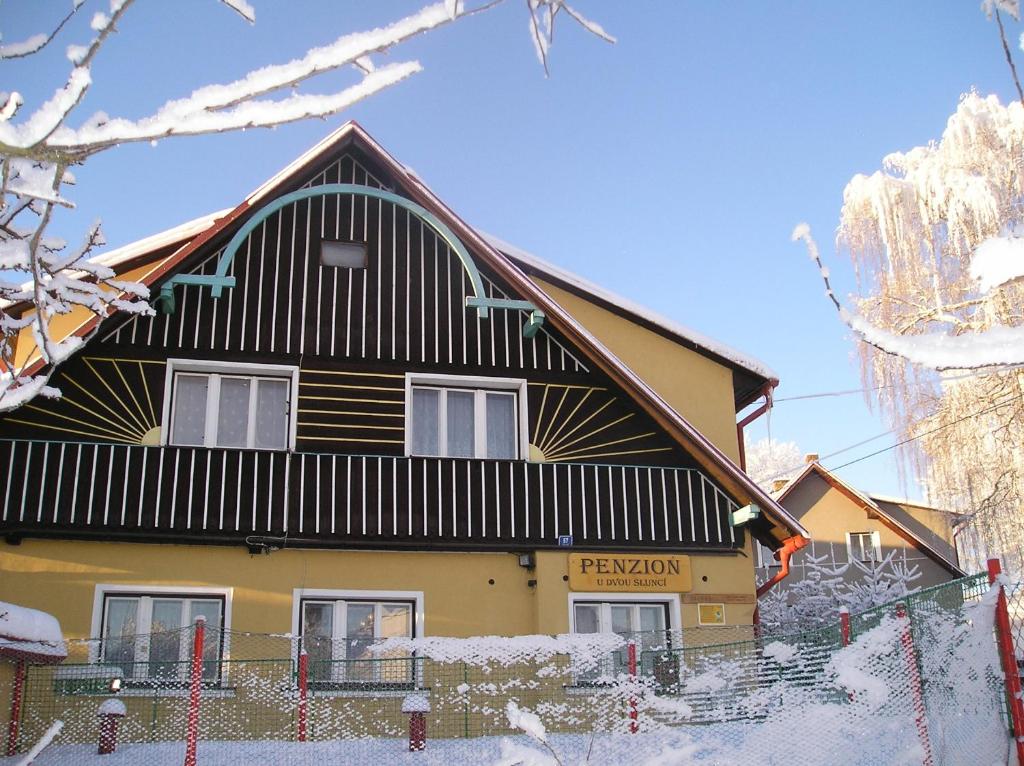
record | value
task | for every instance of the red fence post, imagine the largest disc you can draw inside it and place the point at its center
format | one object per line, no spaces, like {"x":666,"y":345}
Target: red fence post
{"x":1009,"y":661}
{"x":17,"y":692}
{"x":633,"y":715}
{"x":916,"y":689}
{"x":110,"y":714}
{"x":192,"y":734}
{"x":844,"y":625}
{"x":303,"y":692}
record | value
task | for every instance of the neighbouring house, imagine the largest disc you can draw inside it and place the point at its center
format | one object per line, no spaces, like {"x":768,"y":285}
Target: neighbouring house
{"x":862,"y":532}
{"x":353,"y":416}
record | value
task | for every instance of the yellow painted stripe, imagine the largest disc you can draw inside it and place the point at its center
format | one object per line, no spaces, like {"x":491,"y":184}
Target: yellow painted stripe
{"x":343,"y":425}
{"x":608,"y":454}
{"x":352,"y":374}
{"x":553,"y":440}
{"x":359,"y":401}
{"x":564,"y":385}
{"x":347,"y":412}
{"x":341,"y":439}
{"x":67,"y":430}
{"x":344,"y":385}
{"x":603,"y":444}
{"x":111,"y":359}
{"x":582,"y":423}
{"x":97,"y":430}
{"x":563,"y":445}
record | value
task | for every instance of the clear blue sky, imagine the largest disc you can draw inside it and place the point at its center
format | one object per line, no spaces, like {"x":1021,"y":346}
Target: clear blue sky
{"x":670,"y":168}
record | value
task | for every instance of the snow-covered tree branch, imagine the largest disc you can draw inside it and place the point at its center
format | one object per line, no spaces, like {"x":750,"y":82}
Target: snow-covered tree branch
{"x":41,"y":278}
{"x":936,"y":238}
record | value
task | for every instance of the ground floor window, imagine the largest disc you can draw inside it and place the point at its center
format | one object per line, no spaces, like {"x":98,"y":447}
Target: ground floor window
{"x":645,"y":622}
{"x":650,"y":623}
{"x":338,"y":632}
{"x":148,"y":636}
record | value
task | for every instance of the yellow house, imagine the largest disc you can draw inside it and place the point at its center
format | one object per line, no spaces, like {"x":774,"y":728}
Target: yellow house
{"x":353,"y":416}
{"x":847,"y":525}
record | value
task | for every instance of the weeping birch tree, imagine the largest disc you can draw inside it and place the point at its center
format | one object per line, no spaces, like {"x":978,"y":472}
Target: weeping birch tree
{"x":937,"y":240}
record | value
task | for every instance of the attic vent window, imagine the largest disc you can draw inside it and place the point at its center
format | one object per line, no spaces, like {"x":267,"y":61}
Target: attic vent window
{"x":343,"y":255}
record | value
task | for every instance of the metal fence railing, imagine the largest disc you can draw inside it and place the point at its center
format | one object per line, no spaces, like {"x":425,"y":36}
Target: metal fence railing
{"x":922,"y":676}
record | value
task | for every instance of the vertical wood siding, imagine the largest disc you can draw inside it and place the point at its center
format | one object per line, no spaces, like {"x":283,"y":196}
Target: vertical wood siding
{"x":408,"y":305}
{"x":217,"y":494}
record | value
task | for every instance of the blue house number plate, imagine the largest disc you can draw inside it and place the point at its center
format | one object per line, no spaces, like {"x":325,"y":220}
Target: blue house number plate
{"x":565,"y":541}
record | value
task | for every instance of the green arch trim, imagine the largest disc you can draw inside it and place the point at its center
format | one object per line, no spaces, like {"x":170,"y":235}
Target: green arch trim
{"x":220,"y":279}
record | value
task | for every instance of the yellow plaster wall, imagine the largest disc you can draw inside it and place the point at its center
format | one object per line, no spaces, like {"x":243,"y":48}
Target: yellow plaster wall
{"x":60,"y":577}
{"x":698,"y":388}
{"x":829,"y":514}
{"x":63,"y":325}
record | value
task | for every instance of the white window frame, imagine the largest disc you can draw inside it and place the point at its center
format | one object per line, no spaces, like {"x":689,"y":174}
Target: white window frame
{"x":475,"y":384}
{"x":876,"y":545}
{"x":232,"y":369}
{"x":145,"y":594}
{"x":377,"y":597}
{"x":675,"y":621}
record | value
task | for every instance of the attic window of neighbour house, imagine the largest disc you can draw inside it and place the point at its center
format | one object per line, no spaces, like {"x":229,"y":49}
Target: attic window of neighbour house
{"x":455,"y":416}
{"x":864,"y":546}
{"x":221,"y":404}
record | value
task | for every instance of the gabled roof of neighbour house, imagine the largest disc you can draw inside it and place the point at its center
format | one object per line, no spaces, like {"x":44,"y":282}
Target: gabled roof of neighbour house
{"x":887,"y":511}
{"x":168,"y":251}
{"x":750,"y":375}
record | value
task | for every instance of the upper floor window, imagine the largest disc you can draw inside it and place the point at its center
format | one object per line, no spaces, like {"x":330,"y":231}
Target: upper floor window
{"x":864,"y":546}
{"x":220,"y":404}
{"x":453,"y":416}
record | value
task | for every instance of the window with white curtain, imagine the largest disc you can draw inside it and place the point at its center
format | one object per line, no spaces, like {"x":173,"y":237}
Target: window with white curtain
{"x":148,"y":636}
{"x":337,"y":635}
{"x":230,"y":406}
{"x":482,"y":418}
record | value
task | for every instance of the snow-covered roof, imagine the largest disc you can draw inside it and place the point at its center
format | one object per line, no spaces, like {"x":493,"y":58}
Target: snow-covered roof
{"x":907,"y":501}
{"x":30,"y":633}
{"x":670,"y":326}
{"x":159,"y":240}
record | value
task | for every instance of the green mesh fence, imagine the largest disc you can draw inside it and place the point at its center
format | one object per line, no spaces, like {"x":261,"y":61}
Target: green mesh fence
{"x":913,"y":682}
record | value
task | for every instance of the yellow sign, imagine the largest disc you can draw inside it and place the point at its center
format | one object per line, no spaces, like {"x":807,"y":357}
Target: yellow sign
{"x":711,"y":614}
{"x":629,"y":573}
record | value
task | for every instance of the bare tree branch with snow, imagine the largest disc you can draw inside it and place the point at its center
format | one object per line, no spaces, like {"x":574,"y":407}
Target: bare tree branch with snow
{"x":43,"y":279}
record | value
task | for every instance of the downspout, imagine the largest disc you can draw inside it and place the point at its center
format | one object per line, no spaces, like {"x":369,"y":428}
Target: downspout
{"x":789,"y":546}
{"x":766,"y":392}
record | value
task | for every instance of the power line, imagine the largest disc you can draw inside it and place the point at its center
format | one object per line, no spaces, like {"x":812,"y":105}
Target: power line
{"x":971,"y":374}
{"x":995,"y":406}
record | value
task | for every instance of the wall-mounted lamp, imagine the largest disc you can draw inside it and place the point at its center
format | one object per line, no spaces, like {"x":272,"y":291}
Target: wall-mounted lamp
{"x":527,"y":560}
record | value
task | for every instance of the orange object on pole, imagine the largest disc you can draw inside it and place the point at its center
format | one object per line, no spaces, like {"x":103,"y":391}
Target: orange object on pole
{"x":17,"y":692}
{"x":1008,"y":658}
{"x":790,"y":546}
{"x":631,"y":655}
{"x":303,"y":693}
{"x":192,"y":733}
{"x":916,"y":688}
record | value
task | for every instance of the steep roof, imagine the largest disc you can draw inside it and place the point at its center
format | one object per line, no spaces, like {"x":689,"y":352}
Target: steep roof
{"x":750,"y":374}
{"x":776,"y":524}
{"x":887,"y":511}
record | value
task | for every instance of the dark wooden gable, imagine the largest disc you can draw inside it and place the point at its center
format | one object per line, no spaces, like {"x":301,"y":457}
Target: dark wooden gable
{"x":611,"y":474}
